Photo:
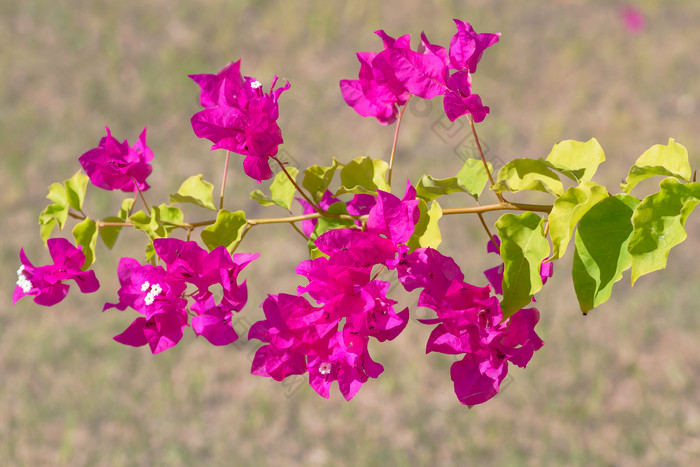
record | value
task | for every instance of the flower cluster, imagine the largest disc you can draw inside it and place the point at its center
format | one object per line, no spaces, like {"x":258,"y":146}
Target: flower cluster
{"x":116,"y":166}
{"x":329,"y":340}
{"x":387,"y":79}
{"x":469,"y":323}
{"x":47,"y":283}
{"x":240,"y":117}
{"x":159,"y":294}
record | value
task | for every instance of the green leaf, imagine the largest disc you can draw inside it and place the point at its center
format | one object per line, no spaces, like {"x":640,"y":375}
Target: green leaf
{"x":226,"y":231}
{"x":577,"y":160}
{"x":427,"y":232}
{"x":57,"y":194}
{"x":85,"y":234}
{"x":658,"y":223}
{"x":282,"y":189}
{"x":46,"y":227}
{"x":363,"y":175}
{"x":523,"y":248}
{"x":670,"y":160}
{"x":55,"y":212}
{"x":168,"y":215}
{"x":149,"y":224}
{"x":151,"y":253}
{"x":261,"y":198}
{"x":125,"y":209}
{"x":528,"y":174}
{"x":110,"y":233}
{"x":473,"y":177}
{"x":601,"y":254}
{"x":568,"y":210}
{"x":195,"y":190}
{"x":317,"y":179}
{"x":76,"y":186}
{"x":429,"y":188}
{"x":325,"y":224}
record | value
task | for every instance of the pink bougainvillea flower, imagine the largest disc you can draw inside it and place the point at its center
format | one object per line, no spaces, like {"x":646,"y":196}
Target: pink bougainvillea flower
{"x":393,"y":217}
{"x":633,"y":19}
{"x":387,"y":79}
{"x":213,"y":322}
{"x":116,"y":166}
{"x":467,"y":47}
{"x":161,"y":332}
{"x":240,"y":117}
{"x":459,"y":99}
{"x":46,"y":283}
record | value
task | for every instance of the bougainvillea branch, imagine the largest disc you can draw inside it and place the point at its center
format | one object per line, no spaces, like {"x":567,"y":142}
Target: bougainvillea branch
{"x":358,"y":231}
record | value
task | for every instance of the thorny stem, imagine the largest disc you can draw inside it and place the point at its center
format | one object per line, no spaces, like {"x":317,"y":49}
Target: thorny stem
{"x":396,"y":138}
{"x":223,"y":181}
{"x":301,"y":192}
{"x":483,"y":159}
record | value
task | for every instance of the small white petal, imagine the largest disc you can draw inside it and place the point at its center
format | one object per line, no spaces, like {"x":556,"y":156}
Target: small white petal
{"x":145,"y":286}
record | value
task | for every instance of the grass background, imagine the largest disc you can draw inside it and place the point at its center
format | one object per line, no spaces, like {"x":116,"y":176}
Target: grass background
{"x":617,"y":387}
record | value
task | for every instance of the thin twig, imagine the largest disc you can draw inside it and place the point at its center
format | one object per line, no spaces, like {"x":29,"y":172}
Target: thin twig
{"x":396,"y":138}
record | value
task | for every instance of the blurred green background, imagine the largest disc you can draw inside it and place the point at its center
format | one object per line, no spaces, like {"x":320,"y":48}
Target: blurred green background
{"x":618,"y":387}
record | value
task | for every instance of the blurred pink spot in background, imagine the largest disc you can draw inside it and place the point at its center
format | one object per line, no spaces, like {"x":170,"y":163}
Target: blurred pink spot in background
{"x":633,"y":19}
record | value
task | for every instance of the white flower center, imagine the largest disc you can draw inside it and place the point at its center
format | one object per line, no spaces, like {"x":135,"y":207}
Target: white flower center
{"x":22,"y":280}
{"x":255,"y":84}
{"x":156,"y":290}
{"x":325,"y":368}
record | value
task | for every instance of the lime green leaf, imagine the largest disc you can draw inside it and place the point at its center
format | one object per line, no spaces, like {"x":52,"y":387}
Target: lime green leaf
{"x":659,"y":222}
{"x":568,"y":210}
{"x":151,"y":253}
{"x":195,"y":190}
{"x":429,"y":188}
{"x":149,"y":224}
{"x":329,"y":223}
{"x":46,"y":226}
{"x":363,"y":175}
{"x":85,"y":234}
{"x":226,"y":231}
{"x":55,"y":212}
{"x":601,"y":254}
{"x":261,"y":198}
{"x":528,"y":174}
{"x":317,"y":179}
{"x":125,"y":209}
{"x":523,"y":248}
{"x":76,"y":186}
{"x":670,"y":160}
{"x":577,"y":160}
{"x":473,"y":177}
{"x":110,"y":233}
{"x":169,"y":215}
{"x":57,"y":194}
{"x":427,"y":232}
{"x":282,"y":189}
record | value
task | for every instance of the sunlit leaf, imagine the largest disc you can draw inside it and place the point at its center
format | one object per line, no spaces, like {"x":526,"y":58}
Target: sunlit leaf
{"x":523,"y":248}
{"x":227,"y":229}
{"x":577,"y":160}
{"x":363,"y":175}
{"x":427,"y":233}
{"x":601,"y":254}
{"x":195,"y":190}
{"x":568,"y":210}
{"x":528,"y":174}
{"x":658,"y":223}
{"x":85,"y":234}
{"x":670,"y":160}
